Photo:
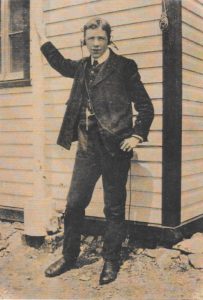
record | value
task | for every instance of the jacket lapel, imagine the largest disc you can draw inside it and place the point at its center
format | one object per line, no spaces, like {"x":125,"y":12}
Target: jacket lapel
{"x":83,"y":70}
{"x":107,"y":68}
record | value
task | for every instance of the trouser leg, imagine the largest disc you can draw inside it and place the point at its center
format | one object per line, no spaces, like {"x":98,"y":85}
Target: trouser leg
{"x":114,"y":175}
{"x":85,"y":175}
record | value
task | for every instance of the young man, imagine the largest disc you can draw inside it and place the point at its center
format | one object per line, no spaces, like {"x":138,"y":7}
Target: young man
{"x":99,"y":116}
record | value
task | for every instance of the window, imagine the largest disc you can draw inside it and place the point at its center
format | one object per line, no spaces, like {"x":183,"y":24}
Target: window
{"x":14,"y":43}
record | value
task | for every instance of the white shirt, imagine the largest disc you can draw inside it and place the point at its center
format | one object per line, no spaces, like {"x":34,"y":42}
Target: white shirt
{"x":102,"y":58}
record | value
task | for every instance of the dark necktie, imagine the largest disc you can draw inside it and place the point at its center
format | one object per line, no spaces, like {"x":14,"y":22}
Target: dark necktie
{"x":95,"y":63}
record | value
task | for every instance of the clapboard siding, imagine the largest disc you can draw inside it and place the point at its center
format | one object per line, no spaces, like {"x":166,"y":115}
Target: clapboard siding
{"x":73,"y":23}
{"x":192,"y":152}
{"x":189,"y":196}
{"x":16,"y":153}
{"x":13,"y":201}
{"x":191,"y":18}
{"x":192,"y":211}
{"x":193,"y":78}
{"x":22,"y":176}
{"x":137,"y":35}
{"x":89,"y":8}
{"x":192,"y":33}
{"x":193,"y":64}
{"x":192,"y":123}
{"x":191,"y":48}
{"x":16,"y":188}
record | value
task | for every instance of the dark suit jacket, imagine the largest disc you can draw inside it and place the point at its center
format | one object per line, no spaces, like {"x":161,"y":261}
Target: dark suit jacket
{"x":115,"y":87}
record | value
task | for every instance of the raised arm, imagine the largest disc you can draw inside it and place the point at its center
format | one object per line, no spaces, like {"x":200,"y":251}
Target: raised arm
{"x":65,"y":67}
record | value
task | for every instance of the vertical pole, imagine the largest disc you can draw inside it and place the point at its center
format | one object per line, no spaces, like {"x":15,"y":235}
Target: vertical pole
{"x":172,"y":115}
{"x":35,"y":212}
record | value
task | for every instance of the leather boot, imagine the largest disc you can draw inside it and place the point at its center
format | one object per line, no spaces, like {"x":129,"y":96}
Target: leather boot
{"x":59,"y":267}
{"x":109,"y":272}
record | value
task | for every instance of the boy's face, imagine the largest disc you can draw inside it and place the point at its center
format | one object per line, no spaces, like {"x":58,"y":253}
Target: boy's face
{"x":96,"y":42}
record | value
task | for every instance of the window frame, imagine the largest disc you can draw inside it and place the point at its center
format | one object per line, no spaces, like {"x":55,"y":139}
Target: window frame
{"x":22,"y":78}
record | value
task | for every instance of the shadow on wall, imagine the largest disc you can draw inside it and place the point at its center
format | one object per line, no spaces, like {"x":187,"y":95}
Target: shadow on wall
{"x":141,"y":202}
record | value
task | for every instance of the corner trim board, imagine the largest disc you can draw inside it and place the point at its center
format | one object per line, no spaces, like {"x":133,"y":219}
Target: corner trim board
{"x":172,"y":116}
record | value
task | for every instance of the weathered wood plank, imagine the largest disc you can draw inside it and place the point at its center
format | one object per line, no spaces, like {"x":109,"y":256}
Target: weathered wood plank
{"x":192,"y":33}
{"x":192,"y":93}
{"x":146,"y":184}
{"x":191,"y":48}
{"x":17,"y":138}
{"x":59,"y":25}
{"x":192,"y":197}
{"x":146,"y":169}
{"x":192,"y":123}
{"x":193,"y":7}
{"x":19,"y":100}
{"x":16,"y":151}
{"x":192,"y":138}
{"x":16,"y":163}
{"x":149,"y":154}
{"x":192,"y":19}
{"x":192,"y":182}
{"x":192,"y":108}
{"x":193,"y":78}
{"x":16,"y":125}
{"x":192,"y":152}
{"x":57,"y":4}
{"x":192,"y":63}
{"x":192,"y":211}
{"x":17,"y":201}
{"x":14,"y":188}
{"x":20,"y":176}
{"x":18,"y":112}
{"x":17,"y":91}
{"x":192,"y":167}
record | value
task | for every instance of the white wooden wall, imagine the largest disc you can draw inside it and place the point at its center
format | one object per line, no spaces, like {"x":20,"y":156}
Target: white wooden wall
{"x":192,"y":137}
{"x":16,"y":151}
{"x":30,"y":162}
{"x":137,"y":35}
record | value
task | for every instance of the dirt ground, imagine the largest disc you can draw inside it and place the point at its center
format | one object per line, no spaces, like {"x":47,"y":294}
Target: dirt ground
{"x":141,"y":277}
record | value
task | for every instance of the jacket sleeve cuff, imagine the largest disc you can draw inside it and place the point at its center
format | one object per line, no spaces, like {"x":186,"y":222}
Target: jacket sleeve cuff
{"x":46,"y":46}
{"x":138,"y":136}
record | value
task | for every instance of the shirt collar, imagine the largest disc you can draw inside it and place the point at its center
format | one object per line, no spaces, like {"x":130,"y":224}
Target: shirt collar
{"x":102,"y":58}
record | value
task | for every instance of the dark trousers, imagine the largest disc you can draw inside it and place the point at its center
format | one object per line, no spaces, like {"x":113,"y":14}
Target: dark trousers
{"x":93,"y":161}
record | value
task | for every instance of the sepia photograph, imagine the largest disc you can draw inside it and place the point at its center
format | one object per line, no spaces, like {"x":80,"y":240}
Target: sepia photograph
{"x":101,"y":149}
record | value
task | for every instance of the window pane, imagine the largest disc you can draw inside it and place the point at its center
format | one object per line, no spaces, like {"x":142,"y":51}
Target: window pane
{"x":16,"y":52}
{"x":16,"y":15}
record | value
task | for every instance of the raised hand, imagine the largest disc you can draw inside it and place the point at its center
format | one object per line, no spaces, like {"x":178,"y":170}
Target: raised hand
{"x":40,"y":29}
